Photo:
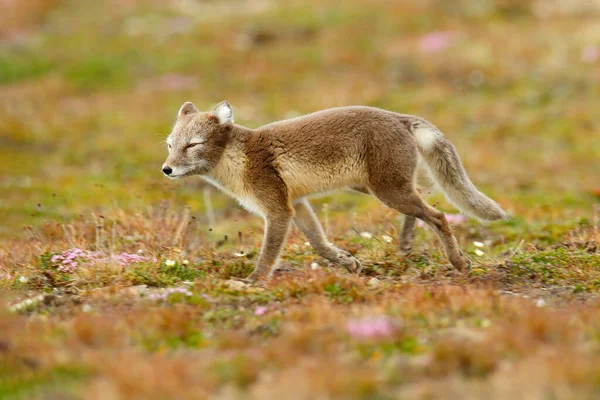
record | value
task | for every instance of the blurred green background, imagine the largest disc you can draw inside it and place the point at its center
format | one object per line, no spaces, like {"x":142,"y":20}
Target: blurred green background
{"x":90,"y":89}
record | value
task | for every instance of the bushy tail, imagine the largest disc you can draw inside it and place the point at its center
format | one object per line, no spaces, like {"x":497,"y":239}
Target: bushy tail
{"x":446,"y":170}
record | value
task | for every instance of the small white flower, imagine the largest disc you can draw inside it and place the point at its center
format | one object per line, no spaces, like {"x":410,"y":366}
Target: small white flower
{"x":479,"y":252}
{"x":314,"y":266}
{"x":478,"y":244}
{"x":86,"y":308}
{"x":170,"y":263}
{"x":28,"y":302}
{"x":306,"y":244}
{"x":185,"y":262}
{"x":240,"y":254}
{"x":374,"y":283}
{"x":140,"y":251}
{"x":387,"y":238}
{"x":23,"y":279}
{"x":366,"y":235}
{"x":540,"y":303}
{"x":235,"y":285}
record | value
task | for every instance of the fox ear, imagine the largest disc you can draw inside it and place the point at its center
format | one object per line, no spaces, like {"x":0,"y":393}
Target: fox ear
{"x":187,"y":108}
{"x":224,"y":112}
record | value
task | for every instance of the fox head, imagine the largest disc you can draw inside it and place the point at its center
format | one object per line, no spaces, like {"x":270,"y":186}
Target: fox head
{"x":197,"y":141}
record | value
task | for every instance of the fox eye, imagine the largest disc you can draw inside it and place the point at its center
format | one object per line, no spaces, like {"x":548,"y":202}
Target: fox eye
{"x":189,"y":146}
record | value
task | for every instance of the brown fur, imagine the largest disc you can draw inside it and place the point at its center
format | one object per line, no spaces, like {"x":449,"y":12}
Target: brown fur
{"x":271,"y":170}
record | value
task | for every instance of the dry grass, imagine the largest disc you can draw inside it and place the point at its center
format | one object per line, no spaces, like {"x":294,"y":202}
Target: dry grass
{"x":18,"y":16}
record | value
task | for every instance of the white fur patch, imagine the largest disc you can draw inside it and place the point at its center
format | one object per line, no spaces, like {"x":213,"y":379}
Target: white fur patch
{"x":245,"y":200}
{"x":224,"y":112}
{"x":426,"y":137}
{"x":251,"y":205}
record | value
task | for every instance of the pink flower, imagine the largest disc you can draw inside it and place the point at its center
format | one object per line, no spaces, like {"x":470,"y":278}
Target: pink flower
{"x":126,"y":259}
{"x":7,"y":276}
{"x":165,"y":293}
{"x":455,"y":219}
{"x":435,"y":41}
{"x":260,"y":310}
{"x":371,"y":328}
{"x":69,"y":260}
{"x":171,"y":82}
{"x":206,"y":297}
{"x":590,"y":54}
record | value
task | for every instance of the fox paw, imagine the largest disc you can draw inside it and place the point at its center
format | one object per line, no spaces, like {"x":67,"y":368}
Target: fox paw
{"x":349,"y":262}
{"x":255,"y":280}
{"x":404,"y":249}
{"x":468,"y":264}
{"x":463,"y":264}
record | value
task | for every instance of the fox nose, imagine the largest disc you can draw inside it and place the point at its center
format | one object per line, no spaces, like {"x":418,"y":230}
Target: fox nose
{"x":167,"y":170}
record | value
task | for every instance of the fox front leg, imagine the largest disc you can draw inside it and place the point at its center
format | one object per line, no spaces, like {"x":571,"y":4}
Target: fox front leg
{"x":276,"y":230}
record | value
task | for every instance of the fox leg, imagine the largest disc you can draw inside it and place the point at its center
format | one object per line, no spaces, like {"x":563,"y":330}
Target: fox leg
{"x":307,"y":222}
{"x":407,"y":236}
{"x":278,"y":213}
{"x":276,"y":230}
{"x":424,"y":187}
{"x":408,"y":202}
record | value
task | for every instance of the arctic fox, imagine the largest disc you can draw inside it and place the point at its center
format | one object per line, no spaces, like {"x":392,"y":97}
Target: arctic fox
{"x":271,"y":169}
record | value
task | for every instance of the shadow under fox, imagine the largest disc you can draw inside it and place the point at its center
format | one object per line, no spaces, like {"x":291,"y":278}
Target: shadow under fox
{"x":271,"y":169}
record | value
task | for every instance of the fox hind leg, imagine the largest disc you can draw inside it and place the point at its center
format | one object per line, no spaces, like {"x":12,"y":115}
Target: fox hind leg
{"x":408,"y":202}
{"x":424,"y":187}
{"x":407,"y":236}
